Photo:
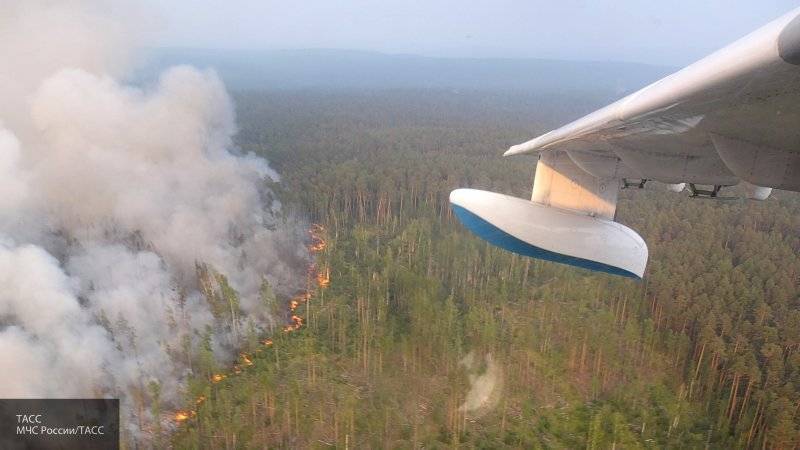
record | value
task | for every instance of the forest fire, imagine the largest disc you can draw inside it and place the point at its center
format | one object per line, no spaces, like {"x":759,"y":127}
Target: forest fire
{"x":324,"y":279}
{"x":318,"y":244}
{"x":246,"y":359}
{"x":217,"y":377}
{"x":181,"y":416}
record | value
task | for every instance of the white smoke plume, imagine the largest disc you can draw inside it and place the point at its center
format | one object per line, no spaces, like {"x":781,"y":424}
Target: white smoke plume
{"x":486,"y":384}
{"x":110,"y":195}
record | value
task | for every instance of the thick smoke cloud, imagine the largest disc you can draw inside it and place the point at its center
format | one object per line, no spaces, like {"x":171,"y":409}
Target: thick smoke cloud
{"x":110,"y":196}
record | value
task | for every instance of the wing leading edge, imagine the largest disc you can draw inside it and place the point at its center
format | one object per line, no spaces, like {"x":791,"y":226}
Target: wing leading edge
{"x":747,"y":93}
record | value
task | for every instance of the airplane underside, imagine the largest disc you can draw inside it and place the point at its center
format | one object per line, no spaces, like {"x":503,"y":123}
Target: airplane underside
{"x":730,"y":118}
{"x":570,"y":217}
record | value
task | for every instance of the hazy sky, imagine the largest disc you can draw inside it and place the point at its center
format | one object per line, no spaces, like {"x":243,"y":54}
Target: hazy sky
{"x":667,"y":32}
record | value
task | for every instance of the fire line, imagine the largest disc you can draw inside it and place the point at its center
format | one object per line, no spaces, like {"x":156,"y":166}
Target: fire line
{"x":322,"y":278}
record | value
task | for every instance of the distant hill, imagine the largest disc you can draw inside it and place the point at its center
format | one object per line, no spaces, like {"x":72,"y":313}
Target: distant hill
{"x":346,"y":69}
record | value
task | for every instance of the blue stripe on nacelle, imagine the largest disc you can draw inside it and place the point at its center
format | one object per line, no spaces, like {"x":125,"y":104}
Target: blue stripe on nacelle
{"x":500,"y":238}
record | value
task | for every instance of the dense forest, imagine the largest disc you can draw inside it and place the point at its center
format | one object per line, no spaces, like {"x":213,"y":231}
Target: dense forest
{"x":415,"y":313}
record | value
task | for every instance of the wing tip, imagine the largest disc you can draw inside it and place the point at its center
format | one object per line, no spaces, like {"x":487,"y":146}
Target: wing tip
{"x":513,"y":150}
{"x":536,"y":144}
{"x":519,"y":149}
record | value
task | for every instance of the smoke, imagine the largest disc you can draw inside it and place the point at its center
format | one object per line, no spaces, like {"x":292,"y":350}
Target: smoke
{"x":486,"y":384}
{"x":111,"y":198}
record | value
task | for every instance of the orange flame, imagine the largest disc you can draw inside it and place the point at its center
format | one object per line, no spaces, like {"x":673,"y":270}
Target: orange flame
{"x":318,"y":244}
{"x":323,"y":279}
{"x":217,"y":377}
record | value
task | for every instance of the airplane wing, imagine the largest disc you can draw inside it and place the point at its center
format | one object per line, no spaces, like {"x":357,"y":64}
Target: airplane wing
{"x":732,"y":117}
